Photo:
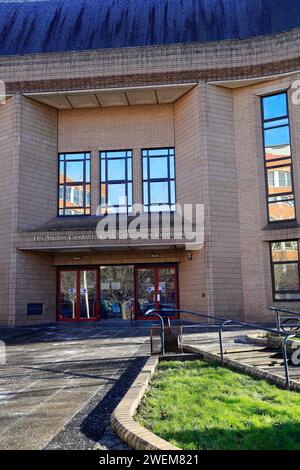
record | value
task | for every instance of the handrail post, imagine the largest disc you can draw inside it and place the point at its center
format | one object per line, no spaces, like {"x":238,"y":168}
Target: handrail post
{"x":162,"y":329}
{"x":278,"y":320}
{"x":285,"y":358}
{"x":225,"y":322}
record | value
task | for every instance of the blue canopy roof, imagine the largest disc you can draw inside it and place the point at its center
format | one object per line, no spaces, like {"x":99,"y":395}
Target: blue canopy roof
{"x":72,"y":25}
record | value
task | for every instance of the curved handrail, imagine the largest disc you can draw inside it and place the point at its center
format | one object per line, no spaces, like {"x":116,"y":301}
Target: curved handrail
{"x":224,"y":322}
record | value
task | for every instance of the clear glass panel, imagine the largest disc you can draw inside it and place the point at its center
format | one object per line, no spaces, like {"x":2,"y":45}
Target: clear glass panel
{"x":75,"y":156}
{"x":158,"y":152}
{"x":116,"y":170}
{"x":172,"y":167}
{"x":159,"y":193}
{"x":286,"y":277}
{"x":74,"y":172}
{"x":146,"y":196}
{"x":117,"y":195}
{"x":61,"y":197}
{"x":287,"y":296}
{"x":87,"y":196}
{"x":159,"y":167}
{"x":74,"y":211}
{"x":130,"y":198}
{"x":284,"y":251}
{"x":277,"y":153}
{"x":166,"y":288}
{"x":274,"y":106}
{"x":103,"y":194}
{"x":173,"y":195}
{"x":61,"y":172}
{"x":160,"y":208}
{"x":88,"y":294}
{"x":282,"y":210}
{"x":279,"y":180}
{"x":279,"y":122}
{"x":146,"y":290}
{"x":117,"y":154}
{"x":88,"y":171}
{"x":68,"y":293}
{"x":117,"y":292}
{"x":276,"y":138}
{"x":103,"y":172}
{"x":145,"y":168}
{"x":129,"y":169}
{"x":74,"y":196}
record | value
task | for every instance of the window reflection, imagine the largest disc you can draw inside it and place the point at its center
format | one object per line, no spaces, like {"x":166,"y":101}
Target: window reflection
{"x":74,"y":189}
{"x":117,"y":292}
{"x":278,"y":161}
{"x":285,"y":266}
{"x":159,"y":193}
{"x":116,"y":181}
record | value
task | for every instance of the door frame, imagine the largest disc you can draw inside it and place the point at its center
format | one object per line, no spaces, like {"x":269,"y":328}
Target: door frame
{"x":96,"y":267}
{"x":78,"y":270}
{"x":155,"y":267}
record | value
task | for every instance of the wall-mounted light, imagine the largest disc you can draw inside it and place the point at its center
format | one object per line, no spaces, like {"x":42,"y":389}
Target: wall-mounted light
{"x":155,"y":256}
{"x":190,"y":256}
{"x":76,"y":258}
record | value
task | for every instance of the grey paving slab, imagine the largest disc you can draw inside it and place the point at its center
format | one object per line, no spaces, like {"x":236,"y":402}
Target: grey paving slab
{"x":61,"y":383}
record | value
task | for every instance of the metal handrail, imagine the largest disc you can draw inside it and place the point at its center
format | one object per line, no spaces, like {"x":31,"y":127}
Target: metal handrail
{"x":279,"y":311}
{"x":225,"y":322}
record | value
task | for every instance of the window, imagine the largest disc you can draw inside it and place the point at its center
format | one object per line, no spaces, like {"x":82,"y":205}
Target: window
{"x":159,"y":191}
{"x":285,"y":270}
{"x":74,"y":184}
{"x":117,"y":292}
{"x":116,"y":181}
{"x":278,"y":158}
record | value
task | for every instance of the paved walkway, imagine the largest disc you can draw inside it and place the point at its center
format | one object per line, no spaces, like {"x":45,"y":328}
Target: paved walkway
{"x":61,"y":384}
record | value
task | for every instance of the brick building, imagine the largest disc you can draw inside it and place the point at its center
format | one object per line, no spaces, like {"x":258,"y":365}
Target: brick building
{"x":162,"y":102}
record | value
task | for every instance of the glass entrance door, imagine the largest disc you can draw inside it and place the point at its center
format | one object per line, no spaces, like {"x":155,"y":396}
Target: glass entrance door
{"x":156,"y":287}
{"x":78,"y":295}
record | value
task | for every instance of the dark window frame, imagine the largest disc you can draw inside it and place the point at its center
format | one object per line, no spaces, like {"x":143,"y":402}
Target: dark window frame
{"x":148,"y":180}
{"x":275,"y":263}
{"x":289,"y":195}
{"x":125,"y":181}
{"x":86,"y":208}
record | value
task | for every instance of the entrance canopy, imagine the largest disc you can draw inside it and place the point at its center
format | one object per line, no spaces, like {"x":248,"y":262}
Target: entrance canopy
{"x":104,"y":98}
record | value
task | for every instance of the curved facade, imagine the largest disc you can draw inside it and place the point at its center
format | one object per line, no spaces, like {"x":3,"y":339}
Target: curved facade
{"x":201,"y":108}
{"x":65,"y":25}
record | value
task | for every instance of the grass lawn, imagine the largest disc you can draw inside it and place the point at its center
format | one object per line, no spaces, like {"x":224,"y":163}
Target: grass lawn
{"x":197,"y":405}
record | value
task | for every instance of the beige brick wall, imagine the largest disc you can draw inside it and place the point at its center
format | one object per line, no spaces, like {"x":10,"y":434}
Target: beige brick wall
{"x":37,"y":194}
{"x":190,"y":143}
{"x":8,"y":158}
{"x":35,"y":283}
{"x":223,"y":241}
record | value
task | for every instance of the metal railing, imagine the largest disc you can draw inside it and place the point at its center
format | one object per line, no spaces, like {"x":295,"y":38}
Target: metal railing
{"x":220,"y":323}
{"x":285,"y":319}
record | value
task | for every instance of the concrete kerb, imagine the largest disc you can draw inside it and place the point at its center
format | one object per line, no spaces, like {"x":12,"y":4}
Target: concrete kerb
{"x":122,"y":422}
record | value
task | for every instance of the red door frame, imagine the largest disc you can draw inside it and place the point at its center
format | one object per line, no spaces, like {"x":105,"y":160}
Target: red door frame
{"x":156,"y":268}
{"x":77,"y":315}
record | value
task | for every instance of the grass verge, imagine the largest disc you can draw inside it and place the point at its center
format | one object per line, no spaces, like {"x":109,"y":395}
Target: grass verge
{"x":197,"y":405}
